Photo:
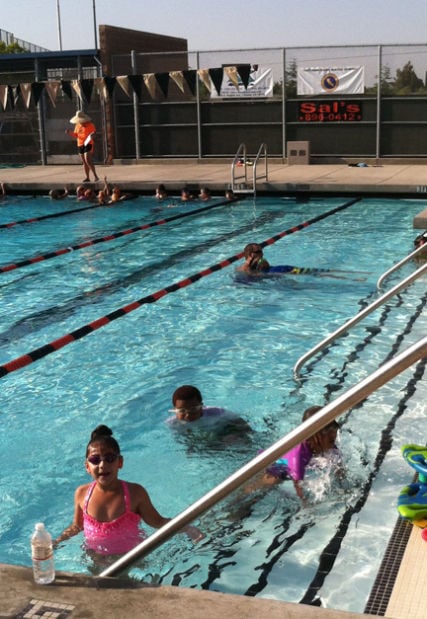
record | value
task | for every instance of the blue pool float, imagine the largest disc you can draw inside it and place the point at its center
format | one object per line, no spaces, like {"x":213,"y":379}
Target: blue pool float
{"x":416,"y":456}
{"x":412,"y":501}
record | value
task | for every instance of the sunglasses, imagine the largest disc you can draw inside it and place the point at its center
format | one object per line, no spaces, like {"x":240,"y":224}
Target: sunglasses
{"x":191,"y":409}
{"x":97,"y":459}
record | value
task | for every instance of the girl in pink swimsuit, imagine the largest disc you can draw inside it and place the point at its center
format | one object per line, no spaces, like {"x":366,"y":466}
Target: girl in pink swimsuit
{"x":109,"y":510}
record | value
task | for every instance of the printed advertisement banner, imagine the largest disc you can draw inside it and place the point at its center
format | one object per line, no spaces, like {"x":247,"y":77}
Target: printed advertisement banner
{"x":260,"y":84}
{"x":318,"y":81}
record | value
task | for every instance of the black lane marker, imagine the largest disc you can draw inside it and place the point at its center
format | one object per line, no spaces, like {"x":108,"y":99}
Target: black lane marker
{"x":110,"y":237}
{"x":39,"y":353}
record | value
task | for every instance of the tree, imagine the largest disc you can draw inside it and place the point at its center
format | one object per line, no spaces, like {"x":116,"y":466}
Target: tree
{"x":387,"y":83}
{"x":407,"y":82}
{"x":291,"y":79}
{"x":11,"y":48}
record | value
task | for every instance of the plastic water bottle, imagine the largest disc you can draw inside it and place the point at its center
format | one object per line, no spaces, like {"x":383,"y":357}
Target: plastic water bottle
{"x":42,"y":555}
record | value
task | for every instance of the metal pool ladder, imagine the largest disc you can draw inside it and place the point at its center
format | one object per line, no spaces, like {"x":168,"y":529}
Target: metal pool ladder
{"x":397,"y":266}
{"x":357,"y":318}
{"x":347,"y":400}
{"x":241,"y":183}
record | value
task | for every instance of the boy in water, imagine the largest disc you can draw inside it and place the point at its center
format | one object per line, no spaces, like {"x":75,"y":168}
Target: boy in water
{"x":254,"y":260}
{"x":192,"y":415}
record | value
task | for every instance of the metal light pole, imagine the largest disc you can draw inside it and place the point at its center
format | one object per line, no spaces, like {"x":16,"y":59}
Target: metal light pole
{"x":58,"y":19}
{"x":94,"y":24}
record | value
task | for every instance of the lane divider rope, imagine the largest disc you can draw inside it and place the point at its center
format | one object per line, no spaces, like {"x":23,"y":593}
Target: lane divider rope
{"x":43,"y":351}
{"x":110,"y":237}
{"x":10,"y":224}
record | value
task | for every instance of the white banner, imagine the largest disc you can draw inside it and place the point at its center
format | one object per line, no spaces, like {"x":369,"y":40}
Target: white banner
{"x":260,"y":85}
{"x":318,"y":81}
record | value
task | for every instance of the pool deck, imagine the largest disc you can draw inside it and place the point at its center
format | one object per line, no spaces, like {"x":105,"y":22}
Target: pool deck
{"x":392,"y":179}
{"x":112,"y":598}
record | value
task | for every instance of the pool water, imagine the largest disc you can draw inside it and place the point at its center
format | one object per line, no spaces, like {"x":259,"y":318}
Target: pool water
{"x":238,"y":342}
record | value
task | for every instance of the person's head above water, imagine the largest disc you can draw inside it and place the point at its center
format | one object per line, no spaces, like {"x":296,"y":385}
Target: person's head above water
{"x":188,"y":403}
{"x":325,"y":438}
{"x":254,"y":258}
{"x":252,"y":249}
{"x":420,"y":240}
{"x":103,"y":435}
{"x":319,"y":443}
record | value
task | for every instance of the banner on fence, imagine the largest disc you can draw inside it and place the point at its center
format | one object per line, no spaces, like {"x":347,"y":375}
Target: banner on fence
{"x":260,"y":84}
{"x":343,"y":80}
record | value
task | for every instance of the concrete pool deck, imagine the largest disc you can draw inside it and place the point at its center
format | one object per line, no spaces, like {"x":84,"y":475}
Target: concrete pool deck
{"x":81,"y":597}
{"x":407,"y":180}
{"x":107,"y":598}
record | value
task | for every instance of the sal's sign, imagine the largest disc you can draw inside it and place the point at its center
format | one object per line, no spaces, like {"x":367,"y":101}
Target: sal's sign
{"x":331,"y":111}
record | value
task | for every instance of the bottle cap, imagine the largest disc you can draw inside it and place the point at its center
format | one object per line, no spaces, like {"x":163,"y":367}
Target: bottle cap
{"x":39,"y":526}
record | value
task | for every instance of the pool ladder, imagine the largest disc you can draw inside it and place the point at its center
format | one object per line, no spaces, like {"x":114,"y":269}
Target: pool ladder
{"x":358,"y":317}
{"x":241,"y":183}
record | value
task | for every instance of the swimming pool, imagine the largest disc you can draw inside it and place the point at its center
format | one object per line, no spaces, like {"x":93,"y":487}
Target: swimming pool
{"x":238,"y":344}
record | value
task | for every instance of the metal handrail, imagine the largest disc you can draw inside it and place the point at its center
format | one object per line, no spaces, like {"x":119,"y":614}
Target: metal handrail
{"x":328,"y":413}
{"x":398,"y":265}
{"x":353,"y":321}
{"x":240,"y":154}
{"x":262,"y":149}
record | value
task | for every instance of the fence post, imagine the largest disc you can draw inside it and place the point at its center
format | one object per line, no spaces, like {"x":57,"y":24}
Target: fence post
{"x":283,"y":103}
{"x":40,"y":116}
{"x":135,"y":109}
{"x":378,"y":120}
{"x":199,"y":115}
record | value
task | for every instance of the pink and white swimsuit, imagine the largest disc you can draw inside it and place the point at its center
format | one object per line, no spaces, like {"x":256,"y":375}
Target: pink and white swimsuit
{"x":117,"y":536}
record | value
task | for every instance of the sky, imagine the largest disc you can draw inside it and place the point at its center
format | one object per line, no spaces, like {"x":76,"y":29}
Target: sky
{"x":221,"y":24}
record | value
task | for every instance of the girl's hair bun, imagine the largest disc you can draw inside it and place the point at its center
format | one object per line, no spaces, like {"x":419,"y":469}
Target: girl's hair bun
{"x":101,"y":431}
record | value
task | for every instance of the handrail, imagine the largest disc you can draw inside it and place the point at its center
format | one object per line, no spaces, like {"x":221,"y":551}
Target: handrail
{"x":353,"y":321}
{"x":262,"y":149}
{"x":327,"y":414}
{"x":240,"y":154}
{"x":399,"y":264}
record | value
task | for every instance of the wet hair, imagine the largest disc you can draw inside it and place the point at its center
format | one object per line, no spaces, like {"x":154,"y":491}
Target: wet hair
{"x":420,"y":240}
{"x":312,"y":410}
{"x":186,"y":392}
{"x":250,"y":248}
{"x":56,"y":194}
{"x":309,"y":412}
{"x":102,"y":434}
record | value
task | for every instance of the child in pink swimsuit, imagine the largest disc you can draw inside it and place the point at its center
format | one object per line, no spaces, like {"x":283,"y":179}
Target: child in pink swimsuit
{"x":109,"y":510}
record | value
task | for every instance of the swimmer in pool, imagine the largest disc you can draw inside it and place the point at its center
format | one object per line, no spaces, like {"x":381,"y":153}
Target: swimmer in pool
{"x":421,"y":241}
{"x":192,"y":417}
{"x":292,"y":465}
{"x":108,"y":510}
{"x":256,"y":265}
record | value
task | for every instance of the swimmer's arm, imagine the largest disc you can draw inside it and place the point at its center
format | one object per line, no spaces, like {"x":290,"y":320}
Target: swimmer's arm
{"x":299,"y":490}
{"x":142,"y":505}
{"x":77,"y":525}
{"x":263,"y":265}
{"x":238,"y":426}
{"x":106,"y":187}
{"x":151,"y":516}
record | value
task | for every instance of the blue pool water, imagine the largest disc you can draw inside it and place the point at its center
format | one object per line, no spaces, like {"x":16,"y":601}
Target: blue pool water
{"x":238,"y":343}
